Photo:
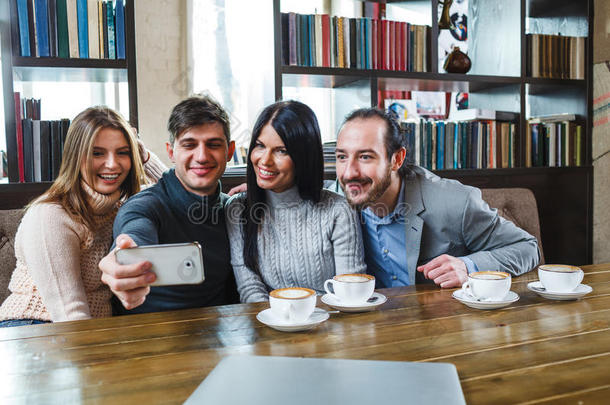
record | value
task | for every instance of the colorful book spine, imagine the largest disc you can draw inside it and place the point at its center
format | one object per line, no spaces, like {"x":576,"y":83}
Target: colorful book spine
{"x":111,"y":31}
{"x":120,"y":29}
{"x":93,"y":29}
{"x":42,"y":27}
{"x":83,"y":28}
{"x":24,"y":34}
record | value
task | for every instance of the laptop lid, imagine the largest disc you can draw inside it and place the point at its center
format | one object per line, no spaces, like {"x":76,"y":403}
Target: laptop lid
{"x":290,"y":380}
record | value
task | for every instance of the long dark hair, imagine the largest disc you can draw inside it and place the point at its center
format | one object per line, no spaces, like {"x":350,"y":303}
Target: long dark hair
{"x":297,"y":126}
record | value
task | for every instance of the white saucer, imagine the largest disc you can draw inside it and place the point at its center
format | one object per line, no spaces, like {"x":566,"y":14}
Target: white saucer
{"x":580,"y":291}
{"x":319,"y":315}
{"x":364,"y":307}
{"x":473,"y":303}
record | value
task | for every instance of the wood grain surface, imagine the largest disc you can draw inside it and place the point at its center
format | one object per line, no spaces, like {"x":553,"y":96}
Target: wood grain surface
{"x":533,"y":351}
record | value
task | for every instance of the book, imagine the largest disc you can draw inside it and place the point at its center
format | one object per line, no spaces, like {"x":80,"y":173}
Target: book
{"x":32,"y":29}
{"x":292,"y":45}
{"x":72,"y":28}
{"x":285,"y":40}
{"x":553,"y":118}
{"x":318,"y":50}
{"x":101,"y":15}
{"x":93,"y":28}
{"x":28,"y":153}
{"x":42,"y":27}
{"x":63,"y":46}
{"x":111,"y":31}
{"x":55,"y":132}
{"x":52,"y":17}
{"x":36,"y":152}
{"x":120,"y":29}
{"x":326,"y":48}
{"x":472,"y":114}
{"x":24,"y":33}
{"x":19,"y":136}
{"x":45,"y":151}
{"x":104,"y":28}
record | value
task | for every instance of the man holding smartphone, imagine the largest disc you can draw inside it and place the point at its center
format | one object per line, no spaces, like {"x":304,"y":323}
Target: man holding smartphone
{"x":186,"y":205}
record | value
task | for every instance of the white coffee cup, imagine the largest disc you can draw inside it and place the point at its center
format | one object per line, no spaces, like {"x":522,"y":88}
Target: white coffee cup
{"x":292,"y":305}
{"x":560,"y":277}
{"x":487,"y":285}
{"x":351,"y":288}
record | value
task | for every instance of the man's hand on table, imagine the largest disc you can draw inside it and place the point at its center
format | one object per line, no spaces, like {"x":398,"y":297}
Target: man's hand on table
{"x":446,"y":271}
{"x":130,"y":283}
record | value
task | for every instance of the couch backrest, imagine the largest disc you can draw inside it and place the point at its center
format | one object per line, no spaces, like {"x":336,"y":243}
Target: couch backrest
{"x":9,"y":221}
{"x":519,"y":206}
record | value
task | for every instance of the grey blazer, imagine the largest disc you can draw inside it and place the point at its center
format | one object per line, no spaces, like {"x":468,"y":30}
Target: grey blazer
{"x":446,"y":217}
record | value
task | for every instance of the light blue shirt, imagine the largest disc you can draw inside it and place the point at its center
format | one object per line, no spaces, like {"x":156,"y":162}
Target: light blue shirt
{"x":385,"y":247}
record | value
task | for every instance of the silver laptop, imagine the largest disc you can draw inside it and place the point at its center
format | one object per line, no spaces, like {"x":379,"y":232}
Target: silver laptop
{"x":291,"y":380}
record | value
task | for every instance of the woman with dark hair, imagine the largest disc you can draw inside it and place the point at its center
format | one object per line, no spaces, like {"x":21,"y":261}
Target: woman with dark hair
{"x":287,"y":231}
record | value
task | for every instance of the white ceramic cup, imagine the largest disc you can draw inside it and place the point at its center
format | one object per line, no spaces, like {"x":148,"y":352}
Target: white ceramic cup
{"x":487,"y":285}
{"x":560,"y":277}
{"x":292,"y":305}
{"x":351,"y":288}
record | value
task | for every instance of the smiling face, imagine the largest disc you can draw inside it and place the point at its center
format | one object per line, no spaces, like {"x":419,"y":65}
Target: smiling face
{"x":200,"y":155}
{"x":273,"y":166}
{"x":363,"y":168}
{"x":110,"y":162}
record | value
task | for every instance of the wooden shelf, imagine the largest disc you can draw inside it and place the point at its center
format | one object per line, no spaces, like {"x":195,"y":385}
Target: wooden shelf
{"x":27,"y":69}
{"x":73,"y":74}
{"x":555,"y":82}
{"x":294,"y":76}
{"x":70,"y":62}
{"x":556,"y":8}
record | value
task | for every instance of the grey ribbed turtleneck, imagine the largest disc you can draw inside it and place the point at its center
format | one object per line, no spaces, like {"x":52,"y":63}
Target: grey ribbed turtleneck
{"x":300,"y":244}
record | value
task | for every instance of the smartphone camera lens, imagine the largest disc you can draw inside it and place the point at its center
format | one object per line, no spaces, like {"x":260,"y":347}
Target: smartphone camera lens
{"x":187,"y":270}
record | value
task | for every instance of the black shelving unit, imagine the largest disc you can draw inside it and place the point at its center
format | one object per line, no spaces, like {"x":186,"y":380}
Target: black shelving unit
{"x":564,"y":195}
{"x":19,"y":68}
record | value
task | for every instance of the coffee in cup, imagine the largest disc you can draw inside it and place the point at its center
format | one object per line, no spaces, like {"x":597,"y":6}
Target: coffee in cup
{"x":487,"y":285}
{"x":292,"y":305}
{"x":560,"y":277}
{"x":353,"y":288}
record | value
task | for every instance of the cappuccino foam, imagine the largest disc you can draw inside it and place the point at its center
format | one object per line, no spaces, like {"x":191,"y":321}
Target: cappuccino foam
{"x":292,"y":293}
{"x":560,"y":269}
{"x":488,"y":276}
{"x":352,"y":278}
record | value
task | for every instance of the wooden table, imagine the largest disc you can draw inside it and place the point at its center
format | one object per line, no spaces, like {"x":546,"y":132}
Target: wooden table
{"x":533,"y":351}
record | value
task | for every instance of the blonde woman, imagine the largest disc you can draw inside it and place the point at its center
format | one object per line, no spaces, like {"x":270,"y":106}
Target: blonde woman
{"x":66,"y":231}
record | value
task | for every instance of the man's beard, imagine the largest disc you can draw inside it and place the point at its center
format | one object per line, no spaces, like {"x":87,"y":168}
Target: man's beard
{"x":373,"y":194}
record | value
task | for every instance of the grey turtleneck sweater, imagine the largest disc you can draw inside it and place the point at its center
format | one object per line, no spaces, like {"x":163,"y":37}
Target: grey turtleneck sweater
{"x":300,"y":243}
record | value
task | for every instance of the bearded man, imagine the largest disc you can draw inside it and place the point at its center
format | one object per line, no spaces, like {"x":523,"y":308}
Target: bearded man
{"x":418,"y":227}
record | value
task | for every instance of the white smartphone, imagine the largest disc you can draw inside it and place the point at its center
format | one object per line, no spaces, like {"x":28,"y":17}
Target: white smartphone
{"x":174,"y":264}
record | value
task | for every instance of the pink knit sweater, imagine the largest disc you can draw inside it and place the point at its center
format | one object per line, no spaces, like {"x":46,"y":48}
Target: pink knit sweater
{"x":57,"y":276}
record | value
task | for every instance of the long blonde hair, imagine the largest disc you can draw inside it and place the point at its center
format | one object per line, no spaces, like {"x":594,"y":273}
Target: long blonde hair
{"x":66,"y":190}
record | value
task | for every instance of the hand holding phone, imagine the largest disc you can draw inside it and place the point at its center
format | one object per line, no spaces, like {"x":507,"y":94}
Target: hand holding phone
{"x":173,"y":264}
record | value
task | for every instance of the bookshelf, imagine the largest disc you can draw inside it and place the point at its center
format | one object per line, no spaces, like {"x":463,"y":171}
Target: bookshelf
{"x":16,"y":68}
{"x":498,"y":80}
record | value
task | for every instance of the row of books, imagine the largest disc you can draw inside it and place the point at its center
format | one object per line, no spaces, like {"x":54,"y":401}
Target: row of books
{"x":70,"y":28}
{"x":555,"y":56}
{"x":357,"y":43}
{"x":553,"y":144}
{"x":30,"y":108}
{"x":39,"y":143}
{"x":444,"y":145}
